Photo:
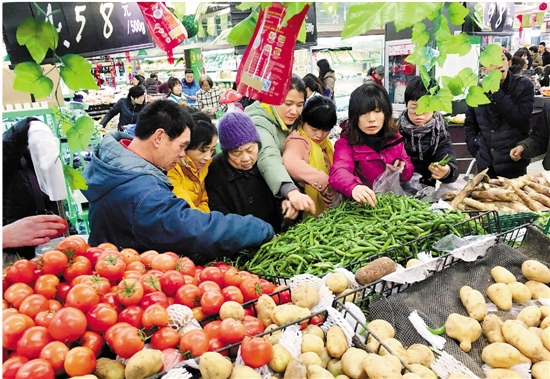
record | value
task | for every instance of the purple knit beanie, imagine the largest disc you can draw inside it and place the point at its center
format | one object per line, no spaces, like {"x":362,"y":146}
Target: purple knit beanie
{"x":236,"y":129}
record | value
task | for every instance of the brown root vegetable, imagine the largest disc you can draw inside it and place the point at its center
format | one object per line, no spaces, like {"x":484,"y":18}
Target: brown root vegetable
{"x":375,"y":270}
{"x":468,"y":188}
{"x":544,"y":200}
{"x":540,"y":188}
{"x":495,"y":194}
{"x":477,"y":204}
{"x":532,"y":204}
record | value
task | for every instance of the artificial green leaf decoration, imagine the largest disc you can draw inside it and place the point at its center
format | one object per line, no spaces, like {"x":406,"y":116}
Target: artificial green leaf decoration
{"x":457,"y":12}
{"x":292,"y":9}
{"x":491,"y":55}
{"x":425,"y":76}
{"x":491,"y":83}
{"x":419,"y":56}
{"x":29,"y":78}
{"x":477,"y":16}
{"x":423,"y":104}
{"x":302,"y":33}
{"x":476,"y":97}
{"x":445,"y":80}
{"x":442,"y":32}
{"x":201,"y":9}
{"x":200,"y":32}
{"x":246,"y":6}
{"x":363,"y":17}
{"x":242,"y":33}
{"x":330,"y":8}
{"x":468,"y":77}
{"x":38,"y":37}
{"x":179,"y":9}
{"x":79,"y":136}
{"x":456,"y":86}
{"x":419,"y":34}
{"x":435,"y":13}
{"x":459,"y":44}
{"x":441,"y":58}
{"x":441,"y":100}
{"x":74,"y":178}
{"x":76,"y":73}
{"x":65,"y":122}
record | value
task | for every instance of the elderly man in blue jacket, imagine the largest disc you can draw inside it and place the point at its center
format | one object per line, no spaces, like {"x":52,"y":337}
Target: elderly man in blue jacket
{"x":492,"y":130}
{"x":131,"y":199}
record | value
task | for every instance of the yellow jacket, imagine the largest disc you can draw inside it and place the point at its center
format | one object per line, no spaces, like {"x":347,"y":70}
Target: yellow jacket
{"x":189,"y":184}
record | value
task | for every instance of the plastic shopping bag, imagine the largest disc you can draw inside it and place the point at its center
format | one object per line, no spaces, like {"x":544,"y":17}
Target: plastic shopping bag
{"x":388,"y":181}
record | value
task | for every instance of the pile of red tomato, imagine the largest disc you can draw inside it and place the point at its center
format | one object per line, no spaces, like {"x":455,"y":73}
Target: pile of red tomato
{"x":59,"y":310}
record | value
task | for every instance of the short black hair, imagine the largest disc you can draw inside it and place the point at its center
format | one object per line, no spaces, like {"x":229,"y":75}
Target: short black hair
{"x":415,"y":89}
{"x":163,"y":114}
{"x":534,"y":49}
{"x":542,"y":43}
{"x":140,"y":79}
{"x":203,"y":132}
{"x":135,"y":92}
{"x":508,"y":56}
{"x":189,"y":71}
{"x":153,"y":76}
{"x":320,"y":113}
{"x":313,"y":83}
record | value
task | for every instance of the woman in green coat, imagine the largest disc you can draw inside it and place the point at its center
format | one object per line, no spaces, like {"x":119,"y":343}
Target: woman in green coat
{"x":274,"y":123}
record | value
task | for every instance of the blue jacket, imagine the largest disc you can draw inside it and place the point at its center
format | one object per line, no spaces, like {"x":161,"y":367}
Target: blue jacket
{"x":128,"y":112}
{"x":132,"y":205}
{"x":190,"y":91}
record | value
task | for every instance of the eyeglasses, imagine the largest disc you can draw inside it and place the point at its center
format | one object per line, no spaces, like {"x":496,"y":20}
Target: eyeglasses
{"x":414,"y":111}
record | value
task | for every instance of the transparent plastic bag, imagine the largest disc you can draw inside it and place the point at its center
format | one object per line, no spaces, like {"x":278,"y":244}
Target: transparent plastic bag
{"x":388,"y":181}
{"x":467,"y":248}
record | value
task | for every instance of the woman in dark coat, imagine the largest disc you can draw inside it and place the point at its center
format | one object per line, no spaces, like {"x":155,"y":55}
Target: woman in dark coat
{"x":128,"y":107}
{"x":234,"y":183}
{"x":327,"y":76}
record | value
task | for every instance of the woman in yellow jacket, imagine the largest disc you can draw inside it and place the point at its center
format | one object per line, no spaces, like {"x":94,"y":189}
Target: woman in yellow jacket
{"x":188,"y":175}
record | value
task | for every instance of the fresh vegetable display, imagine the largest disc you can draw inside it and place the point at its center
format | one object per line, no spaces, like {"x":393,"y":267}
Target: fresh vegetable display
{"x":345,"y":234}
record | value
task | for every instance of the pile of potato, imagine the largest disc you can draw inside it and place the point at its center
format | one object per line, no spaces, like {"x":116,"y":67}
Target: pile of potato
{"x":523,"y":340}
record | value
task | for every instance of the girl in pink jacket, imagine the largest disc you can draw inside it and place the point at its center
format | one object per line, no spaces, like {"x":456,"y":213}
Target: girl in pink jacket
{"x":369,"y":143}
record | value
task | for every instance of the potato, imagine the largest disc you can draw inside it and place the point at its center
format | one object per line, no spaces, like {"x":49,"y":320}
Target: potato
{"x":397,"y":348}
{"x":502,"y":373}
{"x":241,"y":372}
{"x":273,"y":337}
{"x":109,"y":369}
{"x":334,"y":366}
{"x":325,"y":357}
{"x":545,"y":310}
{"x":500,"y":355}
{"x":537,"y":331}
{"x":265,"y":308}
{"x":286,"y":313}
{"x":420,"y":354}
{"x":215,"y":366}
{"x":378,"y":367}
{"x":411,"y":375}
{"x":517,"y":335}
{"x":464,"y":329}
{"x":502,"y":275}
{"x":310,"y":358}
{"x":530,"y":315}
{"x":343,"y":377}
{"x":281,"y":358}
{"x":311,"y":342}
{"x":382,"y":329}
{"x":349,"y":298}
{"x":520,"y":292}
{"x":395,"y":361}
{"x":500,"y":294}
{"x":317,"y":372}
{"x":538,"y":289}
{"x":89,"y":376}
{"x":314,"y":329}
{"x":232,"y":309}
{"x":337,"y":282}
{"x":423,"y":372}
{"x":304,"y":296}
{"x":545,"y":338}
{"x":545,"y":323}
{"x":525,"y":359}
{"x":540,"y":370}
{"x":375,"y":270}
{"x":457,"y":375}
{"x":144,"y":363}
{"x":351,"y":363}
{"x":534,"y":270}
{"x":412,"y":262}
{"x":474,"y":302}
{"x":295,"y":369}
{"x":337,"y":344}
{"x":492,"y":328}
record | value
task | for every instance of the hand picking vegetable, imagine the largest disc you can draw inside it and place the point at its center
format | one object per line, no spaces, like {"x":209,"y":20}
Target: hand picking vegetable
{"x":446,"y":159}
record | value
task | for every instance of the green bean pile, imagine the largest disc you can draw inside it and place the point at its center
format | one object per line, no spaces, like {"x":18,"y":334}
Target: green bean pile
{"x":346,"y":234}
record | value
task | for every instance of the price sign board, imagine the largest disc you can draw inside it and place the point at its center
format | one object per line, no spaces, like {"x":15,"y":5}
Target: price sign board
{"x":88,"y":29}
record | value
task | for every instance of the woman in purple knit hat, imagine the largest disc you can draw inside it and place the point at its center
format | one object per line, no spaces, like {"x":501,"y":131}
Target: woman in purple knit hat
{"x":234,"y":183}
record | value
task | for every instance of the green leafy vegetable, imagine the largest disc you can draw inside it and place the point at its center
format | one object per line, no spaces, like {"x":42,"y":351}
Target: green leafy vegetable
{"x":30,"y":78}
{"x":446,"y":159}
{"x":191,"y":25}
{"x":76,"y":73}
{"x":38,"y":37}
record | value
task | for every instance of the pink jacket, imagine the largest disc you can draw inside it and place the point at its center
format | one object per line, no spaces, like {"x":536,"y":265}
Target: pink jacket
{"x":355,"y":165}
{"x":296,"y":160}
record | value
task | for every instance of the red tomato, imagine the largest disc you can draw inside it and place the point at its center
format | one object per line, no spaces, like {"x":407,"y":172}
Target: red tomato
{"x":156,"y":297}
{"x":164,"y":338}
{"x":253,"y":325}
{"x":36,"y":369}
{"x":62,"y":291}
{"x":22,"y":271}
{"x":188,"y":295}
{"x":67,"y":325}
{"x":150,"y":283}
{"x":12,"y":365}
{"x":170,"y":281}
{"x":212,"y":274}
{"x":33,"y":341}
{"x":316,"y":320}
{"x":190,"y":280}
{"x":129,"y":255}
{"x":93,"y":254}
{"x":256,"y":352}
{"x":172,"y":254}
{"x":80,"y":266}
{"x":215,"y":344}
{"x":110,"y":266}
{"x":83,"y":297}
{"x":16,"y":293}
{"x":108,"y":246}
{"x":211,"y":302}
{"x":13,"y":327}
{"x":147,"y":257}
{"x":54,"y":305}
{"x":185,"y":266}
{"x":132,"y":274}
{"x":163,"y":262}
{"x":251,"y":289}
{"x":224,"y":267}
{"x":99,"y":284}
{"x":232,"y":331}
{"x":8,"y":312}
{"x":129,"y":292}
{"x":232,"y":293}
{"x":111,"y":299}
{"x":54,"y":262}
{"x":46,"y":285}
{"x":136,"y":266}
{"x":44,"y":318}
{"x":127,"y":342}
{"x":93,"y":341}
{"x":209,"y":286}
{"x":232,"y":277}
{"x":283,"y":296}
{"x":33,"y":304}
{"x":131,"y":315}
{"x":267,"y":286}
{"x":5,"y":304}
{"x":80,"y":361}
{"x":195,"y":342}
{"x":55,"y":353}
{"x":198,"y":314}
{"x":101,"y":317}
{"x":212,"y":329}
{"x":73,"y":245}
{"x":113,"y":331}
{"x":154,"y":315}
